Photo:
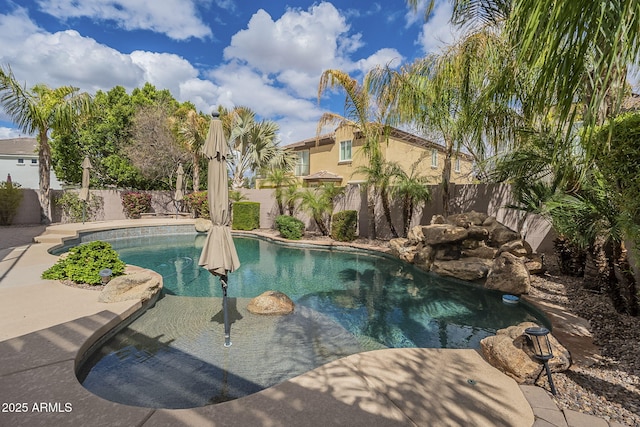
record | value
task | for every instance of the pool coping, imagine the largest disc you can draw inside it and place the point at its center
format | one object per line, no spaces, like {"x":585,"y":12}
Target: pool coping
{"x":385,"y":387}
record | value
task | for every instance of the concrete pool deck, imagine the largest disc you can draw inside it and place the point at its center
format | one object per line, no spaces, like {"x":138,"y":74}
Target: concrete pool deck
{"x":46,"y":327}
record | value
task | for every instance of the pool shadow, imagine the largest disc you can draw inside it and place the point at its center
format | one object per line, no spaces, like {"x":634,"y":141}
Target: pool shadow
{"x":139,"y":370}
{"x":232,"y":309}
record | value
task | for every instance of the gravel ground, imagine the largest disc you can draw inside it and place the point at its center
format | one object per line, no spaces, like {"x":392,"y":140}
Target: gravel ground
{"x":610,"y":388}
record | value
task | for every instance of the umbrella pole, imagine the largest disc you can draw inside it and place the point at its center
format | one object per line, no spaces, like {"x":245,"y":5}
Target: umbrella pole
{"x":227,"y":327}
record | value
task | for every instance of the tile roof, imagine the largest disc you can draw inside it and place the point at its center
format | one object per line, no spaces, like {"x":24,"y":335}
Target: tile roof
{"x":18,"y":146}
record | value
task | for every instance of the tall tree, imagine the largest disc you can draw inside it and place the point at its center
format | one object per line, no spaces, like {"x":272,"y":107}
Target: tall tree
{"x":450,"y":94}
{"x":319,"y":203}
{"x":379,"y":174}
{"x":411,"y":188}
{"x":192,"y":131}
{"x":281,"y":180}
{"x":361,"y":113}
{"x":39,"y":111}
{"x":154,"y":149}
{"x":253,"y":143}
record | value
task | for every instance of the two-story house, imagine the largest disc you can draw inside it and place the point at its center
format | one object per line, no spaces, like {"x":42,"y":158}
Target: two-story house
{"x":19,"y":158}
{"x":336,"y":157}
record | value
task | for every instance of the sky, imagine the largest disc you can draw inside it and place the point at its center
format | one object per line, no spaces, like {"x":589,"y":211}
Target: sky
{"x":267,"y":56}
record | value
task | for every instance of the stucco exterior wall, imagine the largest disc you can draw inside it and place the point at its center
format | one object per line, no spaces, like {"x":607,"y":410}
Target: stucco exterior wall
{"x":26,"y":174}
{"x":326,"y":157}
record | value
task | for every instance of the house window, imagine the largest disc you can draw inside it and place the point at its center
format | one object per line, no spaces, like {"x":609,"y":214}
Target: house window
{"x":434,"y":158}
{"x":302,"y":164}
{"x":34,"y":161}
{"x":345,"y":151}
{"x":20,"y":162}
{"x":457,"y":165}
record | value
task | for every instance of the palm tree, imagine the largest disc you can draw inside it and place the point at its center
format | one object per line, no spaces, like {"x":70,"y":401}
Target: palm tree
{"x":361,"y":113}
{"x":319,"y":202}
{"x":412,"y":189}
{"x":379,"y":175}
{"x":192,"y":131}
{"x":281,"y":180}
{"x":291,"y":197}
{"x":450,"y":93}
{"x":41,"y":110}
{"x":575,"y":53}
{"x":253,"y":144}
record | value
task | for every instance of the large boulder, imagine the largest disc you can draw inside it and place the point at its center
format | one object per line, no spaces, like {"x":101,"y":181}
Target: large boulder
{"x":519,"y":248}
{"x":467,"y":237}
{"x":467,"y":219}
{"x":509,"y":274}
{"x":415,"y":235}
{"x":499,"y":234}
{"x":481,"y":251}
{"x":448,"y":252}
{"x":403,"y":249}
{"x":141,"y":285}
{"x":477,"y":232}
{"x":424,"y":257}
{"x":202,"y":225}
{"x":511,"y":352}
{"x":439,"y":234}
{"x":535,"y":264}
{"x":438,"y":219}
{"x":271,"y":302}
{"x":465,"y":269}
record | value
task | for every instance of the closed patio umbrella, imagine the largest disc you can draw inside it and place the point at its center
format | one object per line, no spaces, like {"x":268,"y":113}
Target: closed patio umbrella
{"x":84,"y":191}
{"x":219,"y":254}
{"x":179,"y":194}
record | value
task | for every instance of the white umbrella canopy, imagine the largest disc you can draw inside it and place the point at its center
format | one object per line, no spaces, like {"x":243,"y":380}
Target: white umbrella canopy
{"x":219,"y":254}
{"x":84,"y":191}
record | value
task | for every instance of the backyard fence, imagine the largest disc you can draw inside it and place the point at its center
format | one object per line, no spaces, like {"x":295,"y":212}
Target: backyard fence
{"x":489,"y":198}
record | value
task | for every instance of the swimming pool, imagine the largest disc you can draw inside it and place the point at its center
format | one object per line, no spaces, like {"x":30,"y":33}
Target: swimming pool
{"x":346,"y":302}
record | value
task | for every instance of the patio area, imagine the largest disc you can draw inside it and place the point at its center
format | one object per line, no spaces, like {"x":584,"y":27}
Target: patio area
{"x":47,"y":327}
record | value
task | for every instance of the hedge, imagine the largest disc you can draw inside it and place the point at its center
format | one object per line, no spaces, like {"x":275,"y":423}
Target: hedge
{"x":246,"y":216}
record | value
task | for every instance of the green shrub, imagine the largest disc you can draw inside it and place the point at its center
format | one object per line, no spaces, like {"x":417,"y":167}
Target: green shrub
{"x":344,"y":226}
{"x":75,"y":210}
{"x":290,"y":227}
{"x":10,"y":199}
{"x":84,"y":262}
{"x":135,"y":203}
{"x":246,"y":216}
{"x":198,"y":204}
{"x":620,"y":142}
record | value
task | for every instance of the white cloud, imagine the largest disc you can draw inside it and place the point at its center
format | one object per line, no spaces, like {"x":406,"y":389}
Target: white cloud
{"x":67,"y":58}
{"x":306,"y":41}
{"x":7,"y":133}
{"x":62,"y":58}
{"x":177,"y":19}
{"x":383,"y":57}
{"x":250,"y":88}
{"x":438,"y":31}
{"x":272,"y":66}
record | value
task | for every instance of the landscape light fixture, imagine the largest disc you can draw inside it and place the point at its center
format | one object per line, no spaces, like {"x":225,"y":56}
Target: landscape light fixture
{"x":105,"y":275}
{"x":542,"y":349}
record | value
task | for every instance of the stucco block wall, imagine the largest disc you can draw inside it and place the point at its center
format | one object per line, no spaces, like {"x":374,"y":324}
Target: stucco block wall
{"x":489,"y":198}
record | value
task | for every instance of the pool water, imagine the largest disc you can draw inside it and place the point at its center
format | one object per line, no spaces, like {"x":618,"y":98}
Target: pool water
{"x":346,"y":302}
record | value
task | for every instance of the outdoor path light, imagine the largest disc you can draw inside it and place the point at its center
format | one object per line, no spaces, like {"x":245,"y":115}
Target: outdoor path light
{"x":542,"y":349}
{"x":105,"y":275}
